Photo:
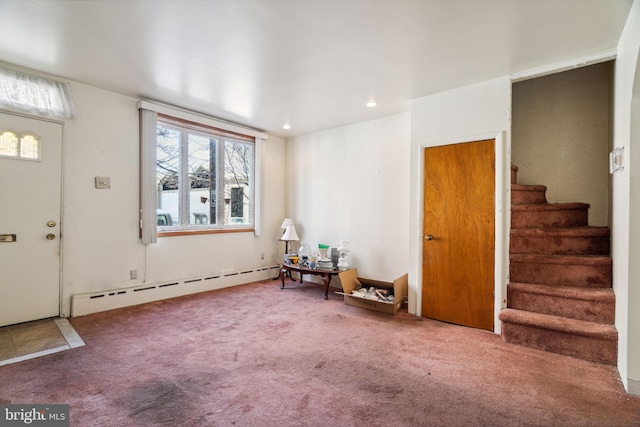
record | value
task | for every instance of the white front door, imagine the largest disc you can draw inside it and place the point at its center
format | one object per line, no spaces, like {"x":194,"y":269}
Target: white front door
{"x":30,"y":184}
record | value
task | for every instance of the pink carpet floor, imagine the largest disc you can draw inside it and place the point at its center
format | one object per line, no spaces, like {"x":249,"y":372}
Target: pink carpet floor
{"x":258,"y":355}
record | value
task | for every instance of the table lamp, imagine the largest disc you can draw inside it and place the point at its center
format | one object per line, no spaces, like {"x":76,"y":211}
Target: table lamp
{"x":289,"y":234}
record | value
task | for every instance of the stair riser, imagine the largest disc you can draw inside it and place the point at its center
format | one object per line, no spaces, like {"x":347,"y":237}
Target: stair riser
{"x":527,"y":197}
{"x":559,"y":245}
{"x":549,"y":219}
{"x":587,"y":276}
{"x":578,"y":346}
{"x":587,"y":310}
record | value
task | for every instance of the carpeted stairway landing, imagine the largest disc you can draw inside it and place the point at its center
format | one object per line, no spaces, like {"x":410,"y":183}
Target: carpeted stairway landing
{"x":559,"y":297}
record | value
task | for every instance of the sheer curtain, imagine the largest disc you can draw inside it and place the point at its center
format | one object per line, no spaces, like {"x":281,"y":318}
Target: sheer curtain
{"x":35,"y":95}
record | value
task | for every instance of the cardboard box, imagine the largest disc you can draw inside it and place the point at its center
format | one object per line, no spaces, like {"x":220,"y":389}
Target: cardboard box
{"x":351,"y":281}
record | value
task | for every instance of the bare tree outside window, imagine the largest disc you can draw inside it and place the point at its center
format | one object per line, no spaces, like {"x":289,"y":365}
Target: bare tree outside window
{"x":168,"y":158}
{"x":188,"y":177}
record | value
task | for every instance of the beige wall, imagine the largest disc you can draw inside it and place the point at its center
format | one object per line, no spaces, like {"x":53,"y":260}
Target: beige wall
{"x":101,"y":241}
{"x":350,"y":183}
{"x":561,"y":133}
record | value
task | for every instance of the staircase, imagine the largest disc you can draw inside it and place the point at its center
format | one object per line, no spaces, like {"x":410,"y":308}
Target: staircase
{"x":559,"y":298}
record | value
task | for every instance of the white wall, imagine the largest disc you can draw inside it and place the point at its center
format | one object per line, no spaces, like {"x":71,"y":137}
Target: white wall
{"x":350,"y":183}
{"x":561,"y":134}
{"x":466,"y":114}
{"x":625,"y":233}
{"x":100,"y":227}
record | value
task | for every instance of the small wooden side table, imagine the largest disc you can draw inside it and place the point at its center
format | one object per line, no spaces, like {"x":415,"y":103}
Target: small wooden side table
{"x":325,"y":274}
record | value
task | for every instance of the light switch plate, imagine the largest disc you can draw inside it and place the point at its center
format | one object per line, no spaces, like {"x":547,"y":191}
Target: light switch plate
{"x":103,"y":182}
{"x":616,"y":160}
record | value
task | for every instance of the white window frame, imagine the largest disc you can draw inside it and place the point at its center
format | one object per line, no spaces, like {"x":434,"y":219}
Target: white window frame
{"x":185,"y":131}
{"x":148,"y":193}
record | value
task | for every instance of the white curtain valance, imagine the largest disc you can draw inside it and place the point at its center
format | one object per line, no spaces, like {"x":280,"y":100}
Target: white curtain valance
{"x":35,"y":95}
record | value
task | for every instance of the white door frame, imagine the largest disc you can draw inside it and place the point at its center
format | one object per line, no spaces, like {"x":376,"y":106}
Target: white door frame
{"x":52,"y":255}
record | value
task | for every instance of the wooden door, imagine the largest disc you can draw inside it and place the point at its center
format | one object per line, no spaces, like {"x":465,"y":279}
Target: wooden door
{"x":459,"y":234}
{"x":30,"y":197}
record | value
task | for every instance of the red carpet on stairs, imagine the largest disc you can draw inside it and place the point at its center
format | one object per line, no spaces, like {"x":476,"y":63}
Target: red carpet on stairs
{"x":559,"y":298}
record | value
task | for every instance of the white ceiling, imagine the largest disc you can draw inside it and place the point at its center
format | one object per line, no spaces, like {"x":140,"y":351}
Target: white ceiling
{"x":312,"y":63}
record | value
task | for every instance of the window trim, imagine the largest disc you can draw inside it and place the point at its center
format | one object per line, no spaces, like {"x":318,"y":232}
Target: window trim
{"x":186,"y":129}
{"x":193,"y":232}
{"x":148,"y":195}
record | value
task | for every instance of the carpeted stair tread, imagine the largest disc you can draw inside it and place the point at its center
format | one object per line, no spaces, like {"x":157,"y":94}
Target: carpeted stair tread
{"x":592,"y":271}
{"x":595,"y":342}
{"x":562,"y":259}
{"x":560,"y":324}
{"x":588,"y":304}
{"x":560,"y":241}
{"x":548,"y":207}
{"x":528,"y":187}
{"x":549,"y":215}
{"x":586,"y":294}
{"x":528,"y":194}
{"x":565,"y":231}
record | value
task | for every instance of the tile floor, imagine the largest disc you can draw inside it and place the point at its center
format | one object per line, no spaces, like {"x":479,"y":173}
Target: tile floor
{"x":33,"y":339}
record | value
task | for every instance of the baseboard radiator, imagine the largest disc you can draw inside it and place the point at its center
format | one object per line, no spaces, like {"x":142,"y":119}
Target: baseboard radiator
{"x":95,"y":302}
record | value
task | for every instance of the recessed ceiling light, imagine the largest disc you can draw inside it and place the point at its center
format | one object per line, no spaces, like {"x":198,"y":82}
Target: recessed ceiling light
{"x":286,"y":126}
{"x":371,"y":104}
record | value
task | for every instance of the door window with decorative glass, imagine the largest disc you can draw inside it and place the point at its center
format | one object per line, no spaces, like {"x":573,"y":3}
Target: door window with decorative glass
{"x":19,"y":145}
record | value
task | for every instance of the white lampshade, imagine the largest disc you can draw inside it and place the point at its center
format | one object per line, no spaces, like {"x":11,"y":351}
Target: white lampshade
{"x":286,"y":223}
{"x":290,"y":234}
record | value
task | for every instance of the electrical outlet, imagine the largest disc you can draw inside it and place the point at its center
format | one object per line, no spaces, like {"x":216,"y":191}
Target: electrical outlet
{"x":133,"y":274}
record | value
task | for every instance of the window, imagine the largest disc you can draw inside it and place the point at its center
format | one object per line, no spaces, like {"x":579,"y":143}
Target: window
{"x":23,"y":146}
{"x":201,"y":160}
{"x":205,"y":177}
{"x":35,"y":95}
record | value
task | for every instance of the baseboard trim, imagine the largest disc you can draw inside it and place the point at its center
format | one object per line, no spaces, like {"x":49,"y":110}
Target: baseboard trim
{"x":634,"y":387}
{"x":95,"y":302}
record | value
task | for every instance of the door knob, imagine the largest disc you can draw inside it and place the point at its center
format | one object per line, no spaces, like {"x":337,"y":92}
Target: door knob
{"x":428,"y":237}
{"x":51,"y":236}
